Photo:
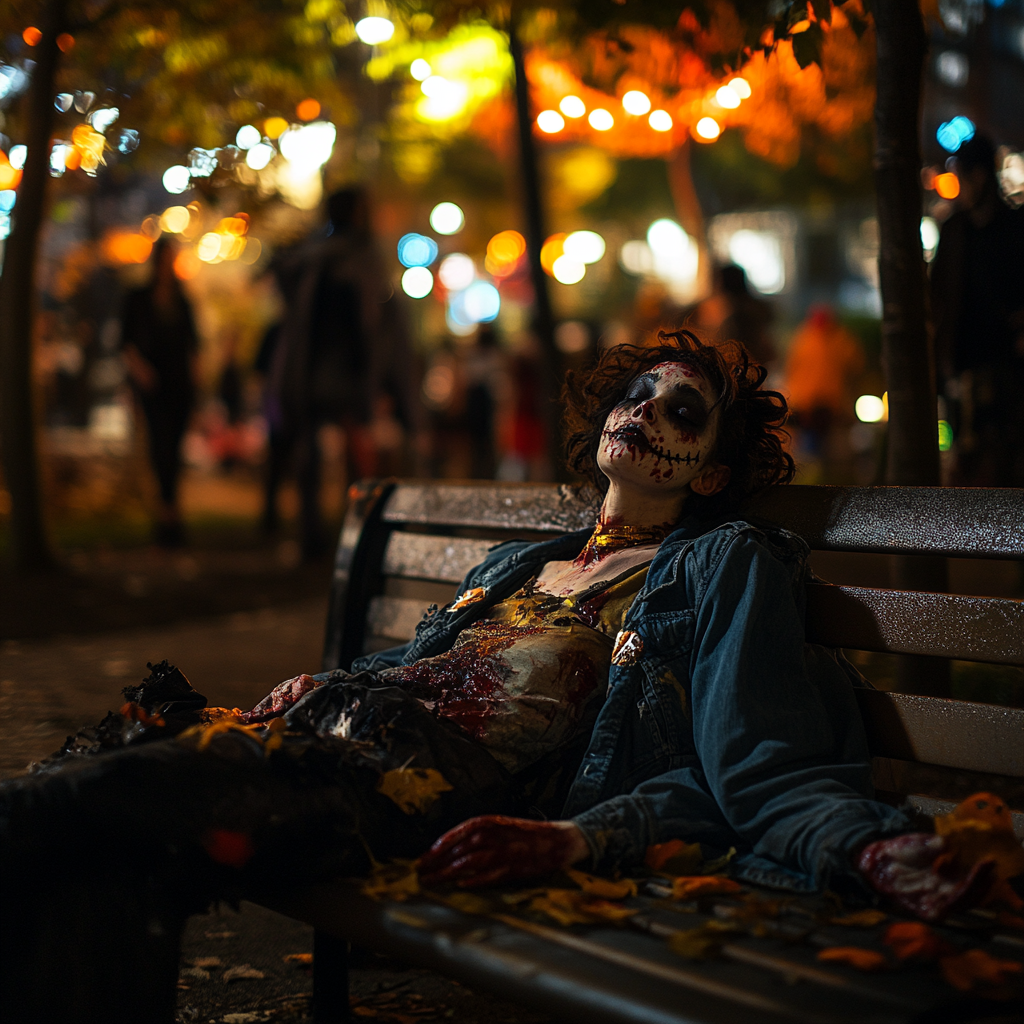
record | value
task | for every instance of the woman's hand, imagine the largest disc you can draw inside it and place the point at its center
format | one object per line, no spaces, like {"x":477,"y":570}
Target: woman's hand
{"x":913,"y":871}
{"x":492,"y":849}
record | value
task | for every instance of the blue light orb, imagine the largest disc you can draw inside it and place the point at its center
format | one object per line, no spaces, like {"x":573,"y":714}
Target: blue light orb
{"x":951,"y":135}
{"x":416,"y":250}
{"x":7,"y":200}
{"x":477,"y":304}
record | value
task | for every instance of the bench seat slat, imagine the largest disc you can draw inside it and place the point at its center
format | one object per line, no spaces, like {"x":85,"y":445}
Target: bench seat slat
{"x":908,"y":622}
{"x":394,"y":617}
{"x":951,"y":733}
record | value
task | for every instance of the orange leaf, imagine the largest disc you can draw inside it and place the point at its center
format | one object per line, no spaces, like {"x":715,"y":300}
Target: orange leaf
{"x":686,"y":887}
{"x":981,"y":808}
{"x":675,"y":857}
{"x":854,"y":956}
{"x":980,"y":828}
{"x":966,"y":970}
{"x":305,"y":959}
{"x":914,"y":940}
{"x":604,"y":887}
{"x":860,"y":919}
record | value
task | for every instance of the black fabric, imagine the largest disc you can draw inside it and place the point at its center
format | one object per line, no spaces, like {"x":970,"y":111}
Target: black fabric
{"x":102,"y":857}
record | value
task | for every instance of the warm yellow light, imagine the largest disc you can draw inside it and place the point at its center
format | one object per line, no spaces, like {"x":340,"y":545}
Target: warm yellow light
{"x":504,"y":250}
{"x":660,"y":120}
{"x":32,"y":35}
{"x":740,"y":86}
{"x":708,"y":129}
{"x":551,"y":250}
{"x":869,"y":408}
{"x":566,"y":270}
{"x":550,"y":121}
{"x":947,"y":185}
{"x":374,"y":31}
{"x":727,"y":98}
{"x":208,"y":248}
{"x":274,"y":127}
{"x":572,"y":106}
{"x":420,"y":69}
{"x":174,"y":219}
{"x":636,"y":102}
{"x":601,"y":120}
{"x":308,"y":110}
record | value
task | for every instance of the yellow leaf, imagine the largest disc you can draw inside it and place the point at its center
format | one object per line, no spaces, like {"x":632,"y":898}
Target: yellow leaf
{"x":395,"y":881}
{"x":571,"y":906}
{"x":699,"y":943}
{"x":860,"y":919}
{"x":603,"y":887}
{"x":854,"y":956}
{"x":468,"y":902}
{"x":413,"y":789}
{"x":703,"y":885}
{"x":676,"y":857}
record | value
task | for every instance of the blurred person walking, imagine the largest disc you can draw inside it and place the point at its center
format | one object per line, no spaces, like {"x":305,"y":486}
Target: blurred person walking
{"x":160,"y":347}
{"x":822,"y":363}
{"x":977,"y":285}
{"x":341,"y":351}
{"x":736,"y":314}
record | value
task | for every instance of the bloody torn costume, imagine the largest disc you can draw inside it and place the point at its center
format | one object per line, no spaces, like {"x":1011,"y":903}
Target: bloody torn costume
{"x":678,"y":700}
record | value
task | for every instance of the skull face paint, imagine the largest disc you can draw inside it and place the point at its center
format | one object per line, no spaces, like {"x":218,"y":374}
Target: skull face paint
{"x":663,"y":432}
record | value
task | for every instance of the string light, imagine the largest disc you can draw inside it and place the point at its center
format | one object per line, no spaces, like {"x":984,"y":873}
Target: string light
{"x":374,"y":31}
{"x":420,"y":69}
{"x":417,"y":282}
{"x":447,"y":219}
{"x":708,"y":129}
{"x":550,"y":121}
{"x":601,"y":120}
{"x":572,"y":106}
{"x":660,"y":120}
{"x":727,"y":98}
{"x":740,"y":86}
{"x":636,"y":102}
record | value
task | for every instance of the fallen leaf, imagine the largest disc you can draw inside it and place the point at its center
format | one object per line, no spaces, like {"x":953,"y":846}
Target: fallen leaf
{"x":965,"y":971}
{"x":854,"y":956}
{"x":719,"y":864}
{"x":468,"y":902}
{"x":242,"y":1018}
{"x":603,"y":886}
{"x":242,"y":973}
{"x":206,"y":961}
{"x":980,"y":828}
{"x":220,"y":935}
{"x":365,"y":1011}
{"x":686,"y":888}
{"x":415,"y":790}
{"x":860,"y":919}
{"x":676,"y":857}
{"x":395,"y":881}
{"x":302,"y":959}
{"x":914,"y":940}
{"x":196,"y":974}
{"x":698,"y":943}
{"x":572,"y":906}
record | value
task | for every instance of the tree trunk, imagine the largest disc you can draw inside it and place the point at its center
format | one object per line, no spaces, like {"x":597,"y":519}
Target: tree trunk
{"x":543,"y":317}
{"x":907,"y":352}
{"x":29,"y":547}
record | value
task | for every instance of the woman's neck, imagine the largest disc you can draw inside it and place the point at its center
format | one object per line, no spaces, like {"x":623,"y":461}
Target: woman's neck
{"x":623,"y":506}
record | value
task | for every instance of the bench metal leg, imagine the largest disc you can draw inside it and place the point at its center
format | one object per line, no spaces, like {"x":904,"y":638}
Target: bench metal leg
{"x":330,"y":979}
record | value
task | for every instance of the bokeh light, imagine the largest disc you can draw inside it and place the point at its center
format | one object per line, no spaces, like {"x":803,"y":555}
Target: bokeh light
{"x":945,"y":436}
{"x":417,"y":282}
{"x":550,"y":121}
{"x":208,"y":247}
{"x":952,"y":134}
{"x":103,"y":118}
{"x":420,"y":69}
{"x":740,"y":86}
{"x":308,"y":109}
{"x":275,"y":127}
{"x":636,"y":102}
{"x":456,"y":271}
{"x":708,"y":129}
{"x":175,"y":219}
{"x":10,"y":177}
{"x":929,"y":237}
{"x":727,"y":98}
{"x":374,"y":31}
{"x":17,"y":157}
{"x":447,"y":219}
{"x":65,"y":42}
{"x":660,"y":120}
{"x":481,"y":302}
{"x":309,"y":146}
{"x":31,"y":35}
{"x":675,"y":252}
{"x":445,"y":99}
{"x":248,"y":136}
{"x":584,"y":246}
{"x":566,"y":270}
{"x":636,"y":257}
{"x":572,"y":106}
{"x":416,"y":250}
{"x":259,"y":156}
{"x":176,"y":179}
{"x":601,"y":120}
{"x":551,"y":250}
{"x":869,"y":409}
{"x":504,"y":252}
{"x":126,"y":247}
{"x":947,"y":185}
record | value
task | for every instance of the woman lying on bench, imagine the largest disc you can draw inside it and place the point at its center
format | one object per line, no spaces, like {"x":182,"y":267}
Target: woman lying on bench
{"x":658,"y":661}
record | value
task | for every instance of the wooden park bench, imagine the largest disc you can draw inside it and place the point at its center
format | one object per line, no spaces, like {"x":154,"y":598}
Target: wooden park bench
{"x":405,"y":546}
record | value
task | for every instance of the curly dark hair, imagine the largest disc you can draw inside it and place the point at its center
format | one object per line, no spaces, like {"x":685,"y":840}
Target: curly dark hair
{"x":750,"y":426}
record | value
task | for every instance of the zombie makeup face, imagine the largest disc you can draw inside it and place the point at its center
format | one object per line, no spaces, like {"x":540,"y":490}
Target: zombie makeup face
{"x":662,"y":434}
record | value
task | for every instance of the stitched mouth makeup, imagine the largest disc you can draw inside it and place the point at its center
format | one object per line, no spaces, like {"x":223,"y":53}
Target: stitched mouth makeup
{"x":632,"y":435}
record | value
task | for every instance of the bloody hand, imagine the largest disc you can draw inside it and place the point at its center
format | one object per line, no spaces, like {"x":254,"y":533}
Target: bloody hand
{"x":914,"y":873}
{"x":280,"y":699}
{"x":491,"y":849}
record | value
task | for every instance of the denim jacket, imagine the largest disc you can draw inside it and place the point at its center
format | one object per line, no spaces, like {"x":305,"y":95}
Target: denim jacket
{"x":721,"y":725}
